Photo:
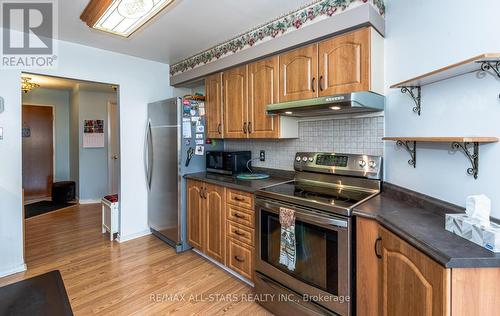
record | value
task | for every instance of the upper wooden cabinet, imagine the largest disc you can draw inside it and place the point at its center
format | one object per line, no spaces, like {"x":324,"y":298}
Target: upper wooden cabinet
{"x":235,"y":102}
{"x":263,"y":84}
{"x":344,"y":63}
{"x":299,"y":74}
{"x":213,"y":106}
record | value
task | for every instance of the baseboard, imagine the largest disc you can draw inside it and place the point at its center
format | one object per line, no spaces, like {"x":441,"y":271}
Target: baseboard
{"x":17,"y":269}
{"x":220,"y":265}
{"x":89,"y":201}
{"x":122,"y":239}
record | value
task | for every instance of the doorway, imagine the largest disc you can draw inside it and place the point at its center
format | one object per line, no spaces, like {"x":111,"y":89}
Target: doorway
{"x":38,"y":151}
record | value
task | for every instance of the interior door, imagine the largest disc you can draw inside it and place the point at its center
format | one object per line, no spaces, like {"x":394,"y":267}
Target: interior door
{"x":298,"y":74}
{"x":263,"y":84}
{"x":235,"y":103}
{"x":113,"y":149}
{"x":213,"y":106}
{"x":38,"y":151}
{"x":344,"y":63}
{"x":215,"y":222}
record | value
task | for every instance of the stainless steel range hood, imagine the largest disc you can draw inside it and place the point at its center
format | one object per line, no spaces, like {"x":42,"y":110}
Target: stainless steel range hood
{"x":355,"y":102}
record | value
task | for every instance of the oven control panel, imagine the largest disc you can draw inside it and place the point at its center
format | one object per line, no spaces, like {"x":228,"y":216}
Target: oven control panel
{"x":366,"y":166}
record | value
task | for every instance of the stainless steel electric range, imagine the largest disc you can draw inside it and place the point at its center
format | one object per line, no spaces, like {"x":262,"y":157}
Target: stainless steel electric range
{"x":326,"y":188}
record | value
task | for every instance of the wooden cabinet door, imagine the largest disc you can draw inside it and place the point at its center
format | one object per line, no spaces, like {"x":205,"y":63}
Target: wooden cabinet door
{"x":412,"y":283}
{"x":298,"y":74}
{"x":195,"y":206}
{"x":235,"y":103}
{"x":367,"y":267}
{"x":213,"y":106}
{"x":263,"y":84}
{"x":215,"y":222}
{"x":344,"y":63}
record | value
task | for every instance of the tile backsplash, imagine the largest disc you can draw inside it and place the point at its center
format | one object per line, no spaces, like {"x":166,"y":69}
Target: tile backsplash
{"x":351,"y":136}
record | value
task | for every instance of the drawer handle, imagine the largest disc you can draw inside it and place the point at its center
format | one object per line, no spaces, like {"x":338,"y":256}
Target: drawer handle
{"x":239,"y":259}
{"x":239,"y":199}
{"x":237,"y":215}
{"x":237,"y":232}
{"x":377,"y":242}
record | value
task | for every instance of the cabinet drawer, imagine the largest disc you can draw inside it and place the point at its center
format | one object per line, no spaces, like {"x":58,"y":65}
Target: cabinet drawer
{"x":239,"y":198}
{"x":240,"y":258}
{"x":240,"y":215}
{"x":240,"y":233}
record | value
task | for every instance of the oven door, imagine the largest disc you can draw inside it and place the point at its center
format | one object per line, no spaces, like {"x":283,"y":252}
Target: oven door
{"x":323,"y":256}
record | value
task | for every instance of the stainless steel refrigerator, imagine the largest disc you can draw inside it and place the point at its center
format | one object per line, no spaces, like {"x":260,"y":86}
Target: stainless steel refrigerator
{"x":175,"y":130}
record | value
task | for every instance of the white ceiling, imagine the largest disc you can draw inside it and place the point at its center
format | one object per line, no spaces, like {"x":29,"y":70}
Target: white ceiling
{"x":49,"y":82}
{"x":183,"y":29}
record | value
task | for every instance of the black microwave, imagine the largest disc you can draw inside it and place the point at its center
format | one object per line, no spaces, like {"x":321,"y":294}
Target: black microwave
{"x":228,"y":162}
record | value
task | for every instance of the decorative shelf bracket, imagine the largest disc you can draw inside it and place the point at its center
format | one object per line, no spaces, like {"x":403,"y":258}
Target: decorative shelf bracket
{"x":416,"y":96}
{"x":412,"y":150}
{"x":491,"y":65}
{"x":472,"y":156}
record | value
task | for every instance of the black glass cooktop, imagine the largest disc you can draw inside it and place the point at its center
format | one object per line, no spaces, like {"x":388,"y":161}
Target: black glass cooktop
{"x":330,"y":195}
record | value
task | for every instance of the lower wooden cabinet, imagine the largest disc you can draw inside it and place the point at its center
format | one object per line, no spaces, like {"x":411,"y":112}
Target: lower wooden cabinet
{"x":206,"y":219}
{"x":221,"y":224}
{"x":394,"y":278}
{"x":240,"y":258}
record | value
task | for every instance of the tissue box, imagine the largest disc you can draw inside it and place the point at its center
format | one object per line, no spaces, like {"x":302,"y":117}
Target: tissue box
{"x":471,"y":229}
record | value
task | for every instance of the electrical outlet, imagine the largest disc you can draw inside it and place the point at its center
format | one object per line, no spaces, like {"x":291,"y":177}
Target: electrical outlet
{"x":262,"y":155}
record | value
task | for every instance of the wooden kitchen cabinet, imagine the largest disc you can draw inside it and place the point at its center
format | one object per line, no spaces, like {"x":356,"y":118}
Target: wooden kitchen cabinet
{"x":195,"y":214}
{"x":299,"y":74}
{"x":263,"y":84}
{"x":213,"y":106}
{"x":235,"y":102}
{"x":411,"y":282}
{"x":393,"y":278}
{"x":215,"y":222}
{"x":351,"y":62}
{"x":206,"y":219}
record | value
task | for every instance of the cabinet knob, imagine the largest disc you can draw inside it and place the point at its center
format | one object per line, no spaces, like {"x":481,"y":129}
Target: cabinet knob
{"x":219,"y":128}
{"x":313,"y":80}
{"x":237,"y":215}
{"x":240,"y":259}
{"x":320,"y":83}
{"x":239,"y":199}
{"x":249,"y":127}
{"x":245,"y":127}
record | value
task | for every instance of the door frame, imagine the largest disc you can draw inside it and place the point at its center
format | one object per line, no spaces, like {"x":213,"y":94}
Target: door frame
{"x":53,"y":141}
{"x":117,"y":118}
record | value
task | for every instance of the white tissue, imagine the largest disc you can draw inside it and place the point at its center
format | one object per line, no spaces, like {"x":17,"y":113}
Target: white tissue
{"x":478,"y":207}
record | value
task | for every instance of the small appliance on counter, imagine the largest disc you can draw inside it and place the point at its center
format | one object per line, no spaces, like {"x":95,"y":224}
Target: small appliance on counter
{"x":229,"y":162}
{"x":174,"y":146}
{"x":304,"y":232}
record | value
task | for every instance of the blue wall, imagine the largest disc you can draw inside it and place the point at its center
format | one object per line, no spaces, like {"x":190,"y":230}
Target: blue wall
{"x":60,"y":99}
{"x":422,"y":36}
{"x":93,"y":162}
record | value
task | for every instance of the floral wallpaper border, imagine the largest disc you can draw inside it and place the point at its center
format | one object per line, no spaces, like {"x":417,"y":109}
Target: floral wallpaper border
{"x":272,"y":29}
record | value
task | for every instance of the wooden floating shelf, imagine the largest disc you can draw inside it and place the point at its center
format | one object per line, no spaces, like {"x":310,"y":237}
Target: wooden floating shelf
{"x":457,"y":143}
{"x":461,"y":68}
{"x":445,"y":139}
{"x":483,"y":62}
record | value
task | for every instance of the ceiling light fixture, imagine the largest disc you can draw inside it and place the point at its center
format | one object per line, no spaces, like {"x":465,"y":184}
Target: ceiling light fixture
{"x":288,"y":112}
{"x":27,"y":85}
{"x":335,"y":108}
{"x":121,"y":17}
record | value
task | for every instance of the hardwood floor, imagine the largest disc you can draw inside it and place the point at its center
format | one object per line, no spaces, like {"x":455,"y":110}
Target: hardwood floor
{"x":138,"y":277}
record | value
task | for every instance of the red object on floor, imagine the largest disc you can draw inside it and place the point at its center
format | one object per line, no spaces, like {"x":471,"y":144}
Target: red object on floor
{"x":112,"y":198}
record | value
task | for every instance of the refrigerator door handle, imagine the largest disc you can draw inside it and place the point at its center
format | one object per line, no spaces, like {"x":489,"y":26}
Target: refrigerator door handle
{"x":147,"y":156}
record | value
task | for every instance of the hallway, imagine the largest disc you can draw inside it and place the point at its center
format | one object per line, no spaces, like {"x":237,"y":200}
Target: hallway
{"x":124,"y":279}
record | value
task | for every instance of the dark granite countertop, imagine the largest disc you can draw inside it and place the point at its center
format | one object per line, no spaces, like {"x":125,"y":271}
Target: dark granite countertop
{"x":276,"y":176}
{"x":419,"y":220}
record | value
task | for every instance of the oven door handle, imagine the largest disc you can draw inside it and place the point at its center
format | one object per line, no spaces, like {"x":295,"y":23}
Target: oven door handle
{"x":303,"y":214}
